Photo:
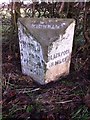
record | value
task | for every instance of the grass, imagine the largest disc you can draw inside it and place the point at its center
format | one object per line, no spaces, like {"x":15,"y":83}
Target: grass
{"x":82,"y":113}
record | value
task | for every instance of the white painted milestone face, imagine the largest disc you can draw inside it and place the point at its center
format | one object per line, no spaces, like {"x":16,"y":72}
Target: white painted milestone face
{"x":45,"y":47}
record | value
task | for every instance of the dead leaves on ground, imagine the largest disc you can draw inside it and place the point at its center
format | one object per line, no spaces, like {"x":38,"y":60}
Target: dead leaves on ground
{"x":22,"y":98}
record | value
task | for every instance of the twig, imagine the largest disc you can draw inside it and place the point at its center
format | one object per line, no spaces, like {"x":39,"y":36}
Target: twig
{"x":83,"y":65}
{"x":61,"y":7}
{"x":81,"y":48}
{"x":63,"y":102}
{"x":27,"y":90}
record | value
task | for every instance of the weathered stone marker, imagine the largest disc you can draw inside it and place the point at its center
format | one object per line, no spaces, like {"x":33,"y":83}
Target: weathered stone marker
{"x":45,"y":47}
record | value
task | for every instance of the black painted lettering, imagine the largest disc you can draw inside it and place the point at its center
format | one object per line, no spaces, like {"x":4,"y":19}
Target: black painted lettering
{"x":52,"y":64}
{"x":60,"y":54}
{"x":56,"y":62}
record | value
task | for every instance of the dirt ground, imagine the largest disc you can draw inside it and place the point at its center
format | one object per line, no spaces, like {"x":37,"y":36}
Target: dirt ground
{"x":66,"y":99}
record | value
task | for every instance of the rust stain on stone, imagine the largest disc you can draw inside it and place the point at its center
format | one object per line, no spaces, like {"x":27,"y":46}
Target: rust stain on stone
{"x":56,"y":72}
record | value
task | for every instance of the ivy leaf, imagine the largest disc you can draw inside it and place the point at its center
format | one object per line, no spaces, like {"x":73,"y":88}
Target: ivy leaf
{"x":29,"y":109}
